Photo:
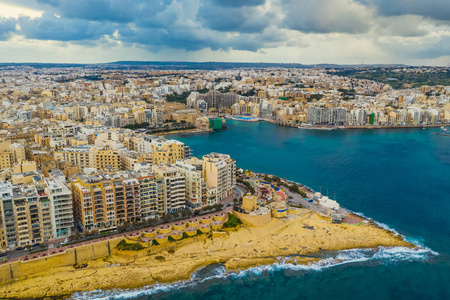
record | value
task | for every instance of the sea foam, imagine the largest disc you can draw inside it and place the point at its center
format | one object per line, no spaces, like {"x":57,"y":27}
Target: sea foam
{"x":379,"y":255}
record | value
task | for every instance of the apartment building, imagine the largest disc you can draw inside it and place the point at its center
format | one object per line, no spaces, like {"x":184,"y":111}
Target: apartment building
{"x":61,"y":205}
{"x":101,"y":202}
{"x":25,"y":215}
{"x":88,"y":156}
{"x":98,"y":202}
{"x":5,"y":160}
{"x":107,"y":159}
{"x":151,"y":195}
{"x":175,"y":187}
{"x":219,"y":172}
{"x":167,"y":151}
{"x":196,"y":187}
{"x":82,"y":156}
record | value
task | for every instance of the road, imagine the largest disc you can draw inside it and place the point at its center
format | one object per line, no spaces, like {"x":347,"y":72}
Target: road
{"x":239,"y":191}
{"x":297,"y":199}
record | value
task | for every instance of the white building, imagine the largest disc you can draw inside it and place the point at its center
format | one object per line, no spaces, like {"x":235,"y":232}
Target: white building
{"x":61,"y":205}
{"x":195,"y":185}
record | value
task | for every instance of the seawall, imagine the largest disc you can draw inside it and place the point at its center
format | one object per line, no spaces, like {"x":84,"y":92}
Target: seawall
{"x":69,"y":257}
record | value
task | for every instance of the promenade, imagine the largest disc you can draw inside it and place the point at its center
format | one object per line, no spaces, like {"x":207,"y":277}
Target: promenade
{"x":63,"y":249}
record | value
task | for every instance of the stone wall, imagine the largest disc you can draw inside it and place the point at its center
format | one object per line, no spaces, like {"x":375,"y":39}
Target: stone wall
{"x":77,"y":255}
{"x":254,"y":220}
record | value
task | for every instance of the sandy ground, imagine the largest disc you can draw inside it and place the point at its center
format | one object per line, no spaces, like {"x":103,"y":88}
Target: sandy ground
{"x":238,"y":249}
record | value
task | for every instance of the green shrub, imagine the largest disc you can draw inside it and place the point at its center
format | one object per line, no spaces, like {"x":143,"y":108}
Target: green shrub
{"x":124,"y":246}
{"x":232,"y":221}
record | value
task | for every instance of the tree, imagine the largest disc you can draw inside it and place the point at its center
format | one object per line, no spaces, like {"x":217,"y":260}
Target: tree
{"x":166,"y":218}
{"x":178,"y":98}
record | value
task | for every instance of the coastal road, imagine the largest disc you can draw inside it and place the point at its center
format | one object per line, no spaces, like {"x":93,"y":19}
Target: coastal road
{"x":239,"y":191}
{"x":297,"y":199}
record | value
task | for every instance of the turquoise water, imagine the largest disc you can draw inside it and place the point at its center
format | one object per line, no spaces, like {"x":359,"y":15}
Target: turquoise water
{"x":398,"y":177}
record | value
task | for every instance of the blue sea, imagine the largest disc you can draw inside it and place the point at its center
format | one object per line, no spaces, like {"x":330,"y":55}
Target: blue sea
{"x":398,"y":177}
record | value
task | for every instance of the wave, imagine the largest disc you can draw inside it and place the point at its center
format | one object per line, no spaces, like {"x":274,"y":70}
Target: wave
{"x":419,"y":242}
{"x":352,"y":256}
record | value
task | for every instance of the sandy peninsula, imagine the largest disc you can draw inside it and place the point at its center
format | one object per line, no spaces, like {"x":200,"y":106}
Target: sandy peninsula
{"x":238,"y":249}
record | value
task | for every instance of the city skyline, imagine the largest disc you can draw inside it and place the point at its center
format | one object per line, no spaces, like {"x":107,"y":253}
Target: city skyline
{"x":279,"y":31}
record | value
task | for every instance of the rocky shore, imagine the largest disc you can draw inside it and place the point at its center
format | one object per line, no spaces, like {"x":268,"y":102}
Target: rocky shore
{"x":238,"y":249}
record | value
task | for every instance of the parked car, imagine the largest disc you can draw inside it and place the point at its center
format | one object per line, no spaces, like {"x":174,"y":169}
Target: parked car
{"x":19,"y":248}
{"x":310,"y":201}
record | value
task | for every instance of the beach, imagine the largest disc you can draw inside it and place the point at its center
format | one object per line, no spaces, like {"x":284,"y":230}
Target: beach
{"x":290,"y":239}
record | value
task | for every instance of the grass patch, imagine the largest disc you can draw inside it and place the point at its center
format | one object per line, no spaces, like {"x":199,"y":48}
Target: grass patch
{"x":232,"y":222}
{"x":124,"y":246}
{"x":155,"y":243}
{"x":199,"y":232}
{"x":160,"y":258}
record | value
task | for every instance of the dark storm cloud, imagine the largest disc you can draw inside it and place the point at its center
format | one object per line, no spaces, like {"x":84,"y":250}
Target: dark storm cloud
{"x":232,"y":18}
{"x":51,"y":27}
{"x":251,"y":25}
{"x":434,"y":9}
{"x":106,"y":10}
{"x":7,"y":27}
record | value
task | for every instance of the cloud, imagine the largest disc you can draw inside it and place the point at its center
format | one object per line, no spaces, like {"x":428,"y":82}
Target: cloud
{"x":231,"y":26}
{"x":406,"y":26}
{"x":238,"y":3}
{"x":51,"y":27}
{"x":435,"y":9}
{"x":416,"y":48}
{"x":324,"y":16}
{"x":234,"y":18}
{"x":105,"y":10}
{"x":7,"y":27}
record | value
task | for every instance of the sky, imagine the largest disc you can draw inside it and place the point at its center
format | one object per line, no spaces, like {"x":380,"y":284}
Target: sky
{"x":414,"y":32}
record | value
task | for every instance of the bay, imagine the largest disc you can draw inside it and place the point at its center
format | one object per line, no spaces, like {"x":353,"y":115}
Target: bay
{"x":399,"y":177}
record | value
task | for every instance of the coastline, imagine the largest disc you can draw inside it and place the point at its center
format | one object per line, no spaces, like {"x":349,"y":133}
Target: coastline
{"x":322,"y":128}
{"x":289,"y":240}
{"x":331,"y":127}
{"x":183,"y":131}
